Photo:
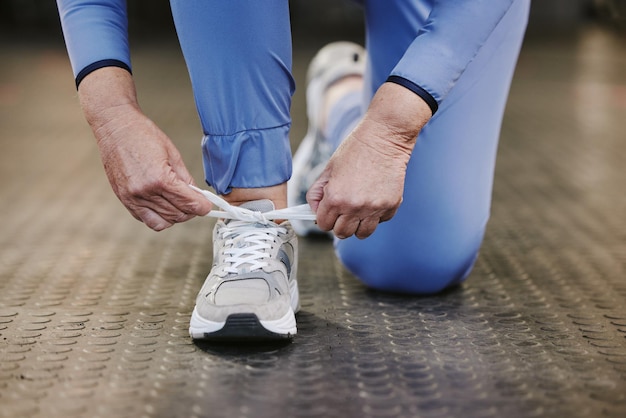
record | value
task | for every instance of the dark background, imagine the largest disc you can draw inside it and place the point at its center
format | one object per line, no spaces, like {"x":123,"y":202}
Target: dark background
{"x":28,"y":19}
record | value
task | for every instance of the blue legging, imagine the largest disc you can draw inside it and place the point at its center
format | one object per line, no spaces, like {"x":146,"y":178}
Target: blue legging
{"x":239,"y":59}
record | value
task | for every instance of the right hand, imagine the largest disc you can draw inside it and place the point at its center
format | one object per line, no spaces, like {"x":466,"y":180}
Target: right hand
{"x":144,"y":167}
{"x":363,"y":182}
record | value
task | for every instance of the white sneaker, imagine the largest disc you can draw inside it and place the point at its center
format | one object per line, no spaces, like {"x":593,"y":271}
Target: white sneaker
{"x":251,"y":292}
{"x":331,"y":63}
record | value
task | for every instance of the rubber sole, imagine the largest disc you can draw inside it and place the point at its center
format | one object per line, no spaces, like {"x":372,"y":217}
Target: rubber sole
{"x":244,"y":327}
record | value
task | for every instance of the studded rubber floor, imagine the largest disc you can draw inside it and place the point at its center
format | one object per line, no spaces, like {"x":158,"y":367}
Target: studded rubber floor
{"x":94,"y":307}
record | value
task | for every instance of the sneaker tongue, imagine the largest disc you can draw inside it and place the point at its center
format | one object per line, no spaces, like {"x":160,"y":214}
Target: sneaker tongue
{"x":264,"y":205}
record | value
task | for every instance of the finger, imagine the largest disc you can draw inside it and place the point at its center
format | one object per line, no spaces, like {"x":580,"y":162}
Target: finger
{"x":178,"y":166}
{"x":345,"y":226}
{"x":326,"y":217}
{"x":157,"y":205}
{"x":315,"y":195}
{"x":386,"y":216}
{"x":327,"y":211}
{"x":152,"y":219}
{"x":366,"y":227}
{"x":187,"y":200}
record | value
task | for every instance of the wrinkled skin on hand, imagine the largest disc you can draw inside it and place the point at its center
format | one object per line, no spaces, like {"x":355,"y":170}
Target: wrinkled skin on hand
{"x":144,"y":167}
{"x":360,"y":187}
{"x":147,"y":173}
{"x":363,"y":183}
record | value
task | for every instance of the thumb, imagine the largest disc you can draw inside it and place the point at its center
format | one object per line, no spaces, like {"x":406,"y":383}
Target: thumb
{"x":188,"y":200}
{"x":316,"y":193}
{"x":178,"y":166}
{"x":200,"y":206}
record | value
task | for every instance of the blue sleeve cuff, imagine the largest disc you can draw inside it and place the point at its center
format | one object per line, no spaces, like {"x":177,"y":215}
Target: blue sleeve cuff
{"x":451,"y":38}
{"x":100,"y":64}
{"x":426,"y":96}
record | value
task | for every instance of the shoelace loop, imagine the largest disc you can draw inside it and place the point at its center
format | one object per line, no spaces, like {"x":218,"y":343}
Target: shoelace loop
{"x":300,"y":212}
{"x":246,"y":246}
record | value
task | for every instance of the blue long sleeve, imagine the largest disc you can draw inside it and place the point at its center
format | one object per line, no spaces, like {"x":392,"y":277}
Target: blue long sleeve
{"x":452,"y":35}
{"x":96,"y":34}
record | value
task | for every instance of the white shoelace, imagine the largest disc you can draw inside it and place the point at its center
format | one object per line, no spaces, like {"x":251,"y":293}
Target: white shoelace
{"x":246,"y":246}
{"x":300,"y":212}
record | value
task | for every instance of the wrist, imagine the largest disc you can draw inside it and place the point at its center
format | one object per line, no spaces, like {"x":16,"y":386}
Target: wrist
{"x":399,"y":111}
{"x":106,"y":95}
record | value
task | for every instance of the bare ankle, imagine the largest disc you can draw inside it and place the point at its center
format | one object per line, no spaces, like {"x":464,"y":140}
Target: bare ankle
{"x":277,"y":194}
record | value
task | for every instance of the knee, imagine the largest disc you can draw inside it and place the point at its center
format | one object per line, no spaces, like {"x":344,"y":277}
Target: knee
{"x":409,"y":267}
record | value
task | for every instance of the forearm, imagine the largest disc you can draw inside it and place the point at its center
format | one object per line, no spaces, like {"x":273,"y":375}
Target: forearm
{"x":455,"y":32}
{"x":96,"y":34}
